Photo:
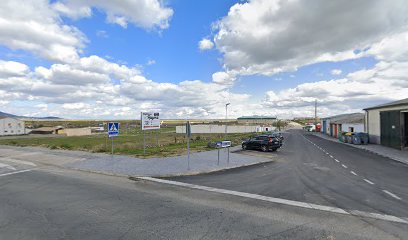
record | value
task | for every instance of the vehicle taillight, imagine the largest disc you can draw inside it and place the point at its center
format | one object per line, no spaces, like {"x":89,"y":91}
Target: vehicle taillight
{"x":270,"y":140}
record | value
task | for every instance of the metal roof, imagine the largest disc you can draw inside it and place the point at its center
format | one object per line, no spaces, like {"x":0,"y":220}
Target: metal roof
{"x":390,"y":104}
{"x":346,"y":118}
{"x":255,"y":117}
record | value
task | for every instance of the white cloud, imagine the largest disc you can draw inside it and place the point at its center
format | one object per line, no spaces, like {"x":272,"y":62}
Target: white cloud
{"x":151,"y":62}
{"x":270,"y":36}
{"x":11,"y":68}
{"x":102,"y":34}
{"x":336,"y":71}
{"x":223,"y":78}
{"x":142,"y":13}
{"x":35,"y":27}
{"x":205,"y":44}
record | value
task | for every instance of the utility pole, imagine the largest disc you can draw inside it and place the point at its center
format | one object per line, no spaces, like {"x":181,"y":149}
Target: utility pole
{"x":226,"y":117}
{"x":315,"y":112}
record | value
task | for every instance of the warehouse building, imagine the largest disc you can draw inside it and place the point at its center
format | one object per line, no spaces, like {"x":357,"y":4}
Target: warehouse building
{"x":11,"y":126}
{"x":333,"y":126}
{"x":254,"y":120}
{"x":387,"y":124}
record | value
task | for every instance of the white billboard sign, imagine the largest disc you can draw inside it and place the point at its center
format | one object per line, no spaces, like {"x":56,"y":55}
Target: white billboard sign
{"x":150,"y":121}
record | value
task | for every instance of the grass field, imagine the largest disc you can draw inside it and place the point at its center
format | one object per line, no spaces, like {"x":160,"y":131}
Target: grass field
{"x":130,"y":142}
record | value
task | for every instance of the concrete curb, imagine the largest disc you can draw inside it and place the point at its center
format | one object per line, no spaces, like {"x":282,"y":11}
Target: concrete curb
{"x":362,"y":148}
{"x":170,"y":175}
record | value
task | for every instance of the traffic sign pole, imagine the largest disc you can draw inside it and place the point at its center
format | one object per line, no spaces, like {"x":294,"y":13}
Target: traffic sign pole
{"x":228,"y":156}
{"x":112,"y":147}
{"x":218,"y":163}
{"x":144,"y":143}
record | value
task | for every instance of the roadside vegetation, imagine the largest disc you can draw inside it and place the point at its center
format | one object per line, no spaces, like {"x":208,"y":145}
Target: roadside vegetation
{"x":162,"y":143}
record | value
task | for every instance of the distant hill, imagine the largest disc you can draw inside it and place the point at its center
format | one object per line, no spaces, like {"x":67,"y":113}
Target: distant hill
{"x":3,"y":114}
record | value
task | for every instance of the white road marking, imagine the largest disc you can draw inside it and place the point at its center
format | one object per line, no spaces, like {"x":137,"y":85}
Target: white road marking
{"x":17,"y":161}
{"x":331,"y":156}
{"x":343,"y":165}
{"x":11,"y":173}
{"x":336,"y":160}
{"x":281,"y":201}
{"x":355,"y":174}
{"x":392,"y":194}
{"x":2,"y":165}
{"x":368,"y":181}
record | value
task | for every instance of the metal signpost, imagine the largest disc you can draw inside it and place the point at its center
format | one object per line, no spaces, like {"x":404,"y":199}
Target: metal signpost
{"x":149,"y":121}
{"x":113,"y":131}
{"x":223,"y":144}
{"x":188,"y":134}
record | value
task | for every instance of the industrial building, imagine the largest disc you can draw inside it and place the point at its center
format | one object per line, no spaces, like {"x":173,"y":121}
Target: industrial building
{"x":207,"y":128}
{"x":255,"y":120}
{"x":11,"y":126}
{"x":333,"y":126}
{"x":387,"y":124}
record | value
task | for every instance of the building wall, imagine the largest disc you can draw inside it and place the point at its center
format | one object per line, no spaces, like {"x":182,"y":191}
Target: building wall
{"x":11,"y":126}
{"x":221,"y":129}
{"x":358,"y":127}
{"x":327,"y":127}
{"x":373,"y":125}
{"x":77,"y":131}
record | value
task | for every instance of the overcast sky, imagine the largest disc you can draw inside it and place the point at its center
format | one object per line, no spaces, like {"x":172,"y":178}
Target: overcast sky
{"x":187,"y":59}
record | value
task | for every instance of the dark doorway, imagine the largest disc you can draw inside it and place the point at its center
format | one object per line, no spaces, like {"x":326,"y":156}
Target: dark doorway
{"x":391,"y":129}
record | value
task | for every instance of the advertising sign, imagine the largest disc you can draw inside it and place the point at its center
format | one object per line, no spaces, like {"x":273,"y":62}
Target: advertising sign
{"x":223,"y":144}
{"x":150,"y":121}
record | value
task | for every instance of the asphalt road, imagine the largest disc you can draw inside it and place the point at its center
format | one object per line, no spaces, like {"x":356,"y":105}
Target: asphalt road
{"x":54,"y":203}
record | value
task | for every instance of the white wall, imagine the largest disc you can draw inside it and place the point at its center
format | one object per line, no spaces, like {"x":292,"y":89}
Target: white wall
{"x":373,"y":124}
{"x":358,"y":127}
{"x":11,"y":126}
{"x":221,"y":129}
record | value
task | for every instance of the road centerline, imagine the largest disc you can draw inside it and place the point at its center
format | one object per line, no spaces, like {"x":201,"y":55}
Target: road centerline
{"x":392,"y":194}
{"x":368,"y":181}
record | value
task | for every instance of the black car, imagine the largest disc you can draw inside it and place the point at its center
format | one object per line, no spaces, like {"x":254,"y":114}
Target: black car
{"x":262,"y":142}
{"x":279,"y":136}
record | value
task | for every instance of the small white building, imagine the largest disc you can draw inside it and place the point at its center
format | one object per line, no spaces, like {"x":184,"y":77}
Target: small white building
{"x":335,"y":125}
{"x":11,"y":126}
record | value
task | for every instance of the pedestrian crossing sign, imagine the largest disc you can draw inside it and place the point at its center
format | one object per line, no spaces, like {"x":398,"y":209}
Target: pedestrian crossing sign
{"x":113,"y":129}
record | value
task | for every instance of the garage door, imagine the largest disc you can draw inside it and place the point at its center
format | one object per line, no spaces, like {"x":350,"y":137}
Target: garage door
{"x":390,"y":129}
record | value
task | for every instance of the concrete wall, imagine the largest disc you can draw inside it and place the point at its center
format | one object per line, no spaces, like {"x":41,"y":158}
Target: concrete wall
{"x":11,"y":126}
{"x":373,"y":125}
{"x":358,"y":127}
{"x":221,"y":129}
{"x":77,"y":131}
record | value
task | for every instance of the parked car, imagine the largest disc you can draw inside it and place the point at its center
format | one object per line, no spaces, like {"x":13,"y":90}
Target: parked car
{"x":262,"y":142}
{"x":278,"y":135}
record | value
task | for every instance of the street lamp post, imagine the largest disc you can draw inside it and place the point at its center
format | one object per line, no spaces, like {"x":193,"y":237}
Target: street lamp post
{"x":226,"y":117}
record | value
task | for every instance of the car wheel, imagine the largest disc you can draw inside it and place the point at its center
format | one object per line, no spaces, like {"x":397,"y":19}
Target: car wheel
{"x":244,"y":147}
{"x":264,"y":148}
{"x":274,"y":149}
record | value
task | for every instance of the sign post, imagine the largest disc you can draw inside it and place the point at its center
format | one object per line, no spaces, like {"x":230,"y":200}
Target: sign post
{"x":188,"y":134}
{"x":223,"y":144}
{"x":149,"y":121}
{"x":113,"y":131}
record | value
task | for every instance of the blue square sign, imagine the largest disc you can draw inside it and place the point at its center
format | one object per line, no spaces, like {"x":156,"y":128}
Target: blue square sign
{"x":113,"y":129}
